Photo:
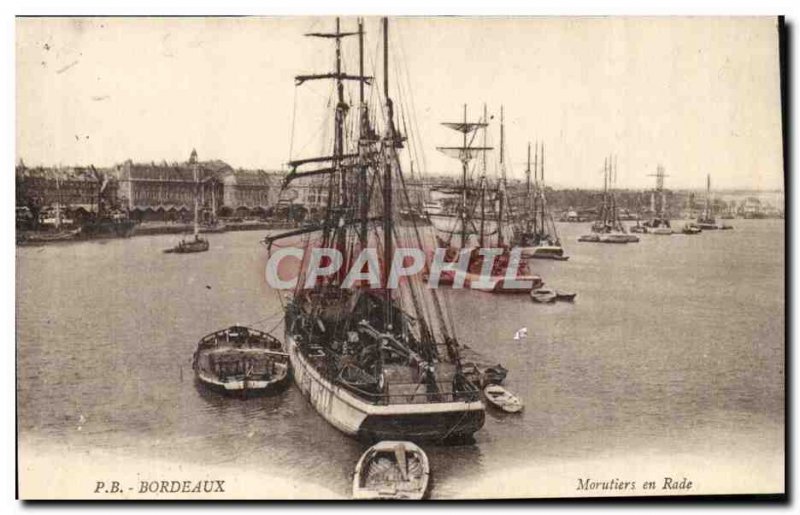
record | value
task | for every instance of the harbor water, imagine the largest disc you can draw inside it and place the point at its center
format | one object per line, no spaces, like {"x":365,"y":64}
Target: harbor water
{"x":672,"y":354}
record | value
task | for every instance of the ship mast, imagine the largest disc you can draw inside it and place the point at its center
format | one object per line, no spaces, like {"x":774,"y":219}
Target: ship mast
{"x":528,"y":192}
{"x":501,"y":207}
{"x":465,"y":154}
{"x":541,"y":192}
{"x":483,"y":186}
{"x":464,"y":166}
{"x":363,"y":143}
{"x":390,"y":141}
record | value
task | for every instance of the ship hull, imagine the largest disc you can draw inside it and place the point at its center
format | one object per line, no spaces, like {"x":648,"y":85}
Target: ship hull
{"x":544,"y":252}
{"x":243,"y":387}
{"x":358,"y":418}
{"x":451,"y":225}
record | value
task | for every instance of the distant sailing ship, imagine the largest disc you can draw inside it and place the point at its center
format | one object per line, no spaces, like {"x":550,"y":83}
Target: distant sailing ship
{"x":706,"y":221}
{"x":608,"y":228}
{"x":374,"y":361}
{"x":482,"y":216}
{"x":658,"y":223}
{"x":197,"y":243}
{"x":537,"y":234}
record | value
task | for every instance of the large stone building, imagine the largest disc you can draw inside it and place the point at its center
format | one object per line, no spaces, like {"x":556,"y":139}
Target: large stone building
{"x":249,"y":192}
{"x":78,"y":191}
{"x":167,"y":191}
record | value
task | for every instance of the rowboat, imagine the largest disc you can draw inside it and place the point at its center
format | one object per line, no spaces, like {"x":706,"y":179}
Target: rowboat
{"x":241,"y":360}
{"x":543,"y":295}
{"x":691,"y":228}
{"x":565,"y":296}
{"x":392,"y":470}
{"x":502,"y":399}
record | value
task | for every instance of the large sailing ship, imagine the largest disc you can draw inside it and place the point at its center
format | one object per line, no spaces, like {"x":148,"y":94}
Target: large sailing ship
{"x":536,"y":232}
{"x":658,"y":223}
{"x":482,"y":216}
{"x":707,"y":221}
{"x":608,"y":228}
{"x":376,"y":362}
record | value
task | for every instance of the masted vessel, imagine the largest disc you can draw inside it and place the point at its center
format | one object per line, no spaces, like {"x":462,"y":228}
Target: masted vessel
{"x":608,"y":228}
{"x":535,"y":230}
{"x":376,"y":362}
{"x":482,"y":216}
{"x":707,"y":221}
{"x":197,"y":243}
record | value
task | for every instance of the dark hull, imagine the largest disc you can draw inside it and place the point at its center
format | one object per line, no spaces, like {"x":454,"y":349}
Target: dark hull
{"x":272,"y":389}
{"x":189,"y":248}
{"x":422,"y":427}
{"x":550,"y":256}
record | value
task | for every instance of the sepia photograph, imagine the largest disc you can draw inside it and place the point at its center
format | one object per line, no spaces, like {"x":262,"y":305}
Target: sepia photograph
{"x":400,"y":257}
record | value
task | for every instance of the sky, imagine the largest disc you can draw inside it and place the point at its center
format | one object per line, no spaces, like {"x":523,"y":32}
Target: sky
{"x":696,"y":95}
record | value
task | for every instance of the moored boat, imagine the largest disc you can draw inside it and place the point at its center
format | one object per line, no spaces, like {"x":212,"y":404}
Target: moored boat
{"x":379,"y":362}
{"x":554,"y":252}
{"x":37,"y":237}
{"x":241,"y":360}
{"x":392,"y":470}
{"x":535,"y":230}
{"x":706,"y":221}
{"x":565,"y":296}
{"x":198,"y":243}
{"x":661,"y":231}
{"x":502,"y":399}
{"x":691,"y":228}
{"x":543,"y":295}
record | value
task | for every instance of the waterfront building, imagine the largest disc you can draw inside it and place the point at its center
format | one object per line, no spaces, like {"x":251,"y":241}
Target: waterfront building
{"x":77,"y":191}
{"x":165,"y":192}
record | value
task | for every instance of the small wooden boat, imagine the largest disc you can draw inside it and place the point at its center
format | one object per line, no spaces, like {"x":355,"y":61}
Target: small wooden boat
{"x":661,"y":231}
{"x":543,"y":295}
{"x":32,"y":237}
{"x":241,"y":360}
{"x":565,"y":296}
{"x":480,"y":369}
{"x":589,"y":238}
{"x":502,"y":399}
{"x":691,"y":228}
{"x":552,"y":252}
{"x":392,"y":470}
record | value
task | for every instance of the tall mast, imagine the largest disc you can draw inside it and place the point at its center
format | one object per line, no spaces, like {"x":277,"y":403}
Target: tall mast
{"x":464,"y":153}
{"x":483,"y":185}
{"x":363,"y":135}
{"x":389,"y":142}
{"x":528,"y":207}
{"x":464,"y":186}
{"x":541,"y":190}
{"x":502,"y":191}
